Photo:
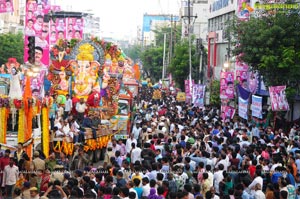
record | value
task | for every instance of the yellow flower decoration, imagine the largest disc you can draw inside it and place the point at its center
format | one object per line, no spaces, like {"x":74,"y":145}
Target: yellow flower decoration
{"x":86,"y":53}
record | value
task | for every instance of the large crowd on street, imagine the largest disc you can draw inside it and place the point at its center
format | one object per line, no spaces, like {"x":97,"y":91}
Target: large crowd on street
{"x":174,"y":150}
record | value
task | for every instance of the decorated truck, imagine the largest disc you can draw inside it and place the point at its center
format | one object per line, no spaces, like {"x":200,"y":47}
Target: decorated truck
{"x":106,"y":78}
{"x":95,"y":70}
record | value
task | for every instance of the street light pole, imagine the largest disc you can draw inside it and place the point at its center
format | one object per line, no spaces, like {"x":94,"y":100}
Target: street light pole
{"x":164,"y":58}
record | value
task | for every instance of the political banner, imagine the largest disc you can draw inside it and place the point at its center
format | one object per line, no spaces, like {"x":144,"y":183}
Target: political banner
{"x":36,"y":26}
{"x":198,"y":95}
{"x":243,"y":108}
{"x":227,"y":85}
{"x":256,"y":106}
{"x":6,"y":6}
{"x":227,"y":112}
{"x":74,"y":28}
{"x":36,"y":42}
{"x":188,"y":87}
{"x":278,"y":98}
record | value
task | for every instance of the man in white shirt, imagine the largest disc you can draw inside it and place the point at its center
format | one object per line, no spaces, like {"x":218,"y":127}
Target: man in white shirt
{"x":257,"y":180}
{"x":128,"y":143}
{"x":81,"y":108}
{"x":146,"y":186}
{"x":68,"y":106}
{"x":218,"y":177}
{"x":136,"y":131}
{"x":10,"y":177}
{"x":135,"y":153}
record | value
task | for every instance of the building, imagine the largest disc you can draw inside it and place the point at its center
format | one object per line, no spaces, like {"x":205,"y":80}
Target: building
{"x":13,"y":22}
{"x":152,"y":22}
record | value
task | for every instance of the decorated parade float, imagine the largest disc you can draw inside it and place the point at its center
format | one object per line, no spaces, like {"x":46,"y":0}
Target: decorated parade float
{"x":100,"y":73}
{"x":94,"y":70}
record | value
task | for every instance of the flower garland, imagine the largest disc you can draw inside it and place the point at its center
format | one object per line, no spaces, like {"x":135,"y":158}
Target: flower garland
{"x":5,"y":123}
{"x":21,"y":126}
{"x":2,"y":124}
{"x":45,"y":134}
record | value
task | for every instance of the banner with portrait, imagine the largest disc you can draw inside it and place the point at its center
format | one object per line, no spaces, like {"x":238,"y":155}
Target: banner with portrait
{"x":278,"y":98}
{"x":74,"y":28}
{"x":6,"y":6}
{"x":227,"y":85}
{"x":188,"y":85}
{"x":198,"y":95}
{"x":37,"y":27}
{"x":256,"y":106}
{"x":242,"y":74}
{"x":227,"y":112}
{"x":243,"y":108}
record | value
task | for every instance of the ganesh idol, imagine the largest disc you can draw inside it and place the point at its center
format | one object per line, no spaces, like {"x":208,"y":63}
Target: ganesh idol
{"x":85,"y":71}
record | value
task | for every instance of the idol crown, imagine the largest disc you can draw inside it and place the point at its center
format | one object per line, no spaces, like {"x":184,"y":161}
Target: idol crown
{"x":86,"y":52}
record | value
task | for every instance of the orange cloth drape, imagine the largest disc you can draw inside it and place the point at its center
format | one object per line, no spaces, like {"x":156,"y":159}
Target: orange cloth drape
{"x":136,"y":70}
{"x":27,"y":98}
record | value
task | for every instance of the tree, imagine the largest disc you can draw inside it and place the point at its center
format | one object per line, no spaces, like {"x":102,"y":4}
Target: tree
{"x":11,"y":45}
{"x":180,"y":63}
{"x":270,"y":44}
{"x":133,"y":51}
{"x":215,"y":99}
{"x":152,"y":56}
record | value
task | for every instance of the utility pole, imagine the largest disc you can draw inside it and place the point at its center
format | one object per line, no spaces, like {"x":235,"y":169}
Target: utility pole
{"x":171,"y":40}
{"x":164,"y":58}
{"x":189,"y":17}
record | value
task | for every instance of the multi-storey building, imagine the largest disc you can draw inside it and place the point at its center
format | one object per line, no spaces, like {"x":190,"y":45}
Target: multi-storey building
{"x":13,"y":22}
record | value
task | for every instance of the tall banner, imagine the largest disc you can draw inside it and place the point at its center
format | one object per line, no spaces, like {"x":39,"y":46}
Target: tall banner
{"x":6,"y":6}
{"x":227,"y":112}
{"x":198,"y":95}
{"x":37,"y":31}
{"x":74,"y":28}
{"x":278,"y":98}
{"x":242,"y":74}
{"x":187,"y":87}
{"x":256,"y":106}
{"x":243,"y":108}
{"x":227,"y":85}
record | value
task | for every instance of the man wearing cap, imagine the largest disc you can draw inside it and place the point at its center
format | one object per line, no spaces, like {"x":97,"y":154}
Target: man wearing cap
{"x":34,"y":194}
{"x":38,"y":163}
{"x":26,"y":192}
{"x":10,"y":177}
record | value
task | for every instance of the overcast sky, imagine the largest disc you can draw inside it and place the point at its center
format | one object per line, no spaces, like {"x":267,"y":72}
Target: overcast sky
{"x":121,"y":17}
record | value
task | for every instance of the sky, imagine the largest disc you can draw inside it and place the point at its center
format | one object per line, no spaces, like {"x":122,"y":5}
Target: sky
{"x":121,"y":18}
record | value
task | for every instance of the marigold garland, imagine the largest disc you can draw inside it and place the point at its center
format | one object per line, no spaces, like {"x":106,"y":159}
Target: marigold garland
{"x":5,"y":123}
{"x":45,"y":134}
{"x":2,"y":116}
{"x":21,"y":126}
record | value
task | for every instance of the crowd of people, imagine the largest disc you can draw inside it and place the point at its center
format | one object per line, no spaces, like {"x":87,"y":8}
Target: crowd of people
{"x":174,"y":150}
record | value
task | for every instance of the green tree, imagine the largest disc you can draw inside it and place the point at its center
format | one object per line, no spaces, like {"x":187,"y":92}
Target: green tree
{"x":11,"y":45}
{"x":180,"y":63}
{"x":152,"y":56}
{"x":215,"y":99}
{"x":270,"y":44}
{"x":133,"y":51}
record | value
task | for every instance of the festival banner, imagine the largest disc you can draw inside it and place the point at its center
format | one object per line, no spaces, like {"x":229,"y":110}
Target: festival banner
{"x":198,"y":95}
{"x":243,"y":108}
{"x":74,"y":28}
{"x":242,"y":74}
{"x":256,"y":106}
{"x":278,"y":98}
{"x":227,"y":85}
{"x":227,"y":112}
{"x":37,"y":26}
{"x":6,"y":6}
{"x":188,"y":87}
